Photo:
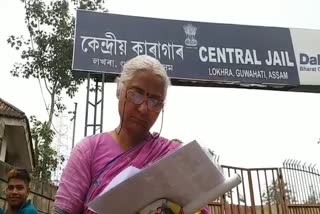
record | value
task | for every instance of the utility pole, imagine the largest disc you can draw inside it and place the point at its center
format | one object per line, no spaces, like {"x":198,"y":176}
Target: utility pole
{"x":74,"y":122}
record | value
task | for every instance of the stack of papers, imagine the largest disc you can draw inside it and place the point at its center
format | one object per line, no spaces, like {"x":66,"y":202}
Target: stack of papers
{"x":186,"y":176}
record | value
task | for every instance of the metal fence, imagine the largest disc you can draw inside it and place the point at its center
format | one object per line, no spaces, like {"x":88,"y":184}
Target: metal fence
{"x":293,"y":188}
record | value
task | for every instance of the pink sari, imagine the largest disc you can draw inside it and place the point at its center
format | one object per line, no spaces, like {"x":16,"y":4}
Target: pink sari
{"x":95,"y":162}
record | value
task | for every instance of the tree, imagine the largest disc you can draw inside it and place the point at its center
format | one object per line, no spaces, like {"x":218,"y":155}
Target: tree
{"x":273,"y":193}
{"x":46,"y":158}
{"x":313,"y":197}
{"x":47,"y":56}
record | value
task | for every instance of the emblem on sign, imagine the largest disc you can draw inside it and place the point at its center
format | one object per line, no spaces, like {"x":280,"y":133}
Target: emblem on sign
{"x":190,"y":32}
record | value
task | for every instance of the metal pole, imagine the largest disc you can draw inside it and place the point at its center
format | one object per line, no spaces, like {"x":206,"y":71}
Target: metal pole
{"x":74,"y":122}
{"x":87,"y":106}
{"x":102,"y":102}
{"x":253,"y":206}
{"x":95,"y":107}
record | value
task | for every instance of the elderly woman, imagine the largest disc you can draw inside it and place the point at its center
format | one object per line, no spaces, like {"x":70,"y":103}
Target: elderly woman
{"x":96,"y":160}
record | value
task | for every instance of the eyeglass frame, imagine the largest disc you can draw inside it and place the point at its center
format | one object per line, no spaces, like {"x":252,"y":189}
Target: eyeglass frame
{"x":146,"y":97}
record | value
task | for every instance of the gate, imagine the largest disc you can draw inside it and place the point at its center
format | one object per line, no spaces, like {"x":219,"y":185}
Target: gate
{"x":294,"y":188}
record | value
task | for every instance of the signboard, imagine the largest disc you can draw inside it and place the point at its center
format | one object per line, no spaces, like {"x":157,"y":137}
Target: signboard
{"x":306,"y":45}
{"x":191,"y":50}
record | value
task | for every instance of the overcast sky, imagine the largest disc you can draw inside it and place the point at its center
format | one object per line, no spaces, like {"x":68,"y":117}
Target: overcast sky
{"x":247,"y":128}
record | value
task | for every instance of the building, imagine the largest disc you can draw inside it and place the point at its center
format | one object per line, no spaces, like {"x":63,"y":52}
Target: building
{"x":15,"y":137}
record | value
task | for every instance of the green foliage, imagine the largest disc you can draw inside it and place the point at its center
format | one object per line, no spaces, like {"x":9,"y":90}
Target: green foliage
{"x":313,"y":197}
{"x":46,"y":158}
{"x":273,"y":193}
{"x":47,"y":55}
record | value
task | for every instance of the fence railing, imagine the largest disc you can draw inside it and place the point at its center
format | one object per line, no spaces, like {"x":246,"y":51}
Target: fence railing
{"x":293,"y":188}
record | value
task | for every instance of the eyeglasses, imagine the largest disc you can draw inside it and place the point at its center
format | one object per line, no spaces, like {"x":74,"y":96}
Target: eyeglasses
{"x":138,"y":98}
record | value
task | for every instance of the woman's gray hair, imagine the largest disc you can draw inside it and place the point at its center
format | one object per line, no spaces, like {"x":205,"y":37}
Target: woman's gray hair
{"x":142,"y":63}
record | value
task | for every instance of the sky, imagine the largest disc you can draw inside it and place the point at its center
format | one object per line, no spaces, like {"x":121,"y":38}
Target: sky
{"x":246,"y":128}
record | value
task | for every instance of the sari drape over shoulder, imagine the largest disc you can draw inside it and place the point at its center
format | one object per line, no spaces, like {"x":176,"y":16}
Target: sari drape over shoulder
{"x":95,"y":161}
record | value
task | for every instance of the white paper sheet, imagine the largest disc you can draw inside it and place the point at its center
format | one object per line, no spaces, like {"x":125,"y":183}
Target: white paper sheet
{"x":122,"y":176}
{"x":184,"y":177}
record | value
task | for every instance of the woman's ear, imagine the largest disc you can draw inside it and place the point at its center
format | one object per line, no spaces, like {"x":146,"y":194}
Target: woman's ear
{"x":119,"y":86}
{"x":118,"y":92}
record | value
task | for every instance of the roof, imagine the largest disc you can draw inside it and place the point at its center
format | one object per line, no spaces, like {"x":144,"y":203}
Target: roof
{"x":8,"y":110}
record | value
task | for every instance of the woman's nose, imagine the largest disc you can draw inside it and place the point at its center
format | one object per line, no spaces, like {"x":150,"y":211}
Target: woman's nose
{"x":143,"y":107}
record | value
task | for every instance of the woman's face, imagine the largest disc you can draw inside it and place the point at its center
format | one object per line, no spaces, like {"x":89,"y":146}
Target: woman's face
{"x":140,"y":102}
